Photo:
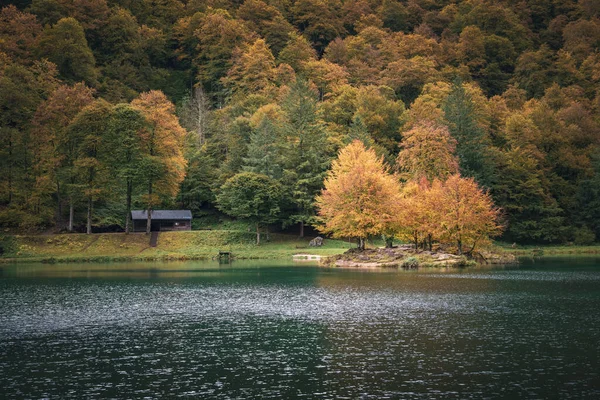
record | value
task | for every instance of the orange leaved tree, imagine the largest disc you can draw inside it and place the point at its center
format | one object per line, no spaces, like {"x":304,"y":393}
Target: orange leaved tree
{"x":419,"y":215}
{"x":360,"y":197}
{"x":428,"y":151}
{"x":467,"y":214}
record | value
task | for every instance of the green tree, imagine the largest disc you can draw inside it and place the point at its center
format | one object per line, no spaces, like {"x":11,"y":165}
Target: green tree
{"x":305,"y":154}
{"x":125,"y":129}
{"x":319,"y":20}
{"x":264,"y":150}
{"x":472,"y":140}
{"x":296,"y":52}
{"x":253,"y":197}
{"x":90,"y":163}
{"x":66,"y":46}
{"x":588,"y":196}
{"x":267,"y":21}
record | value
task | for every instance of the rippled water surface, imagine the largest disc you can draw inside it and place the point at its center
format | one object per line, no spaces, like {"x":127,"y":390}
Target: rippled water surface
{"x":275,"y":331}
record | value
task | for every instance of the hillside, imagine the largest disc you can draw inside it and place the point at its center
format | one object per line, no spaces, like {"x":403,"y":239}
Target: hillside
{"x":108,"y":105}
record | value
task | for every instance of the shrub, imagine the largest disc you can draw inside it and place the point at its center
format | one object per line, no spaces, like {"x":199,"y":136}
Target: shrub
{"x":410,"y":263}
{"x":584,"y":236}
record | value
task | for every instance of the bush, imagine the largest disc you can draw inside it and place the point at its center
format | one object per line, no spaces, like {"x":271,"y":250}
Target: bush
{"x":584,"y":236}
{"x":410,"y":263}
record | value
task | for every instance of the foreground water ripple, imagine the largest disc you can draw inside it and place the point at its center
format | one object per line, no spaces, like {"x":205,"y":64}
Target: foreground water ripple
{"x":303,"y":332}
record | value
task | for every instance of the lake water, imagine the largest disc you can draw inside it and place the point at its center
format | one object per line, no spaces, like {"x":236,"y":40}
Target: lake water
{"x":264,"y":330}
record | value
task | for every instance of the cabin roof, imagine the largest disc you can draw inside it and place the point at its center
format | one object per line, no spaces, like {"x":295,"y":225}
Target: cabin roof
{"x":162,"y":214}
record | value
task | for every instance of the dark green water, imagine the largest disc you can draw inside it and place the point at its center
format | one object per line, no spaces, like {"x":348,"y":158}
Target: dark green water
{"x":271,"y":331}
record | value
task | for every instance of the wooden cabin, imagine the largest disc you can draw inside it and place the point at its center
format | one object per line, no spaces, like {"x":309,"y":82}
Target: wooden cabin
{"x":162,"y":220}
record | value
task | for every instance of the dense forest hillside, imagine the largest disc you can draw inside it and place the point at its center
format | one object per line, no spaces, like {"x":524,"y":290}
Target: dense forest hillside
{"x":111,"y":104}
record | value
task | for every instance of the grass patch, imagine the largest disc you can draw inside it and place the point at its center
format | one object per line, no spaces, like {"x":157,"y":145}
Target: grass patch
{"x":546,"y":250}
{"x":190,"y":245}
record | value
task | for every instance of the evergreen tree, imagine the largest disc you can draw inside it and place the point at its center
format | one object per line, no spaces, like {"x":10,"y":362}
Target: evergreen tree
{"x":264,"y":151}
{"x":306,"y":158}
{"x":471,"y":139}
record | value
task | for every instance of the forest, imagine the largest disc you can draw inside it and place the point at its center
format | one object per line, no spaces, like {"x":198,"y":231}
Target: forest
{"x":109,"y":105}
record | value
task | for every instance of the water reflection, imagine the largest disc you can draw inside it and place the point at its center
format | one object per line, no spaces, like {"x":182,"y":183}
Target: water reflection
{"x":263,"y":330}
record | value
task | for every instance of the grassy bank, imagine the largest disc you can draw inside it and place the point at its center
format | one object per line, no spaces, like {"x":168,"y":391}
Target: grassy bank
{"x":547,"y":250}
{"x":192,"y":245}
{"x":198,"y":245}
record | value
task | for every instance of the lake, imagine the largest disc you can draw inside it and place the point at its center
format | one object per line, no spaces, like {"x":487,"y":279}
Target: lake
{"x":270,"y":330}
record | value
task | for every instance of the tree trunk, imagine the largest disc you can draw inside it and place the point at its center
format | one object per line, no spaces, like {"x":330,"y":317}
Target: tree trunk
{"x":71,"y":213}
{"x":301,"y":229}
{"x":89,"y":216}
{"x":361,"y":244}
{"x":128,"y":202}
{"x":149,"y":221}
{"x":10,"y":169}
{"x":257,"y":235}
{"x":59,"y":221}
{"x":459,"y":246}
{"x":416,"y":238}
{"x":389,"y":242}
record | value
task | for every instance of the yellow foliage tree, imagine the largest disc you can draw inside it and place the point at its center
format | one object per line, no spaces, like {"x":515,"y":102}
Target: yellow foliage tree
{"x":467,"y":215}
{"x":427,"y":151}
{"x":418,"y":219}
{"x":360,"y":197}
{"x":163,"y":163}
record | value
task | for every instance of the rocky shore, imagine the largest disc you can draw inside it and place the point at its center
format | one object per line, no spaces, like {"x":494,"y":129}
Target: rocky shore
{"x":405,"y":257}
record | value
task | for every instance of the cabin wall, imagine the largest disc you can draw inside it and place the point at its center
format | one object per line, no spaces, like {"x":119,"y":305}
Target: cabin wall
{"x":163,"y":225}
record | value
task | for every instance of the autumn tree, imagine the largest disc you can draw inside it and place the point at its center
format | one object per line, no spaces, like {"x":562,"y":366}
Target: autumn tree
{"x":49,"y":131}
{"x":427,"y":150}
{"x":22,"y":89}
{"x":19,"y":32}
{"x":360,"y":198}
{"x":418,"y":217}
{"x":253,"y":197}
{"x":217,"y":35}
{"x":467,"y":214}
{"x":253,"y":69}
{"x":162,"y":164}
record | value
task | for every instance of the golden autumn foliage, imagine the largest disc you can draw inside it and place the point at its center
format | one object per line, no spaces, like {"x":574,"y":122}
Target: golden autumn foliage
{"x":455,"y":212}
{"x":162,"y":145}
{"x":418,"y":218}
{"x":360,"y":197}
{"x":427,"y":150}
{"x":468,"y":216}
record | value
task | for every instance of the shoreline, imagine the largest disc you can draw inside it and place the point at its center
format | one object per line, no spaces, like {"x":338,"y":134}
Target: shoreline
{"x":405,"y":257}
{"x":205,"y":245}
